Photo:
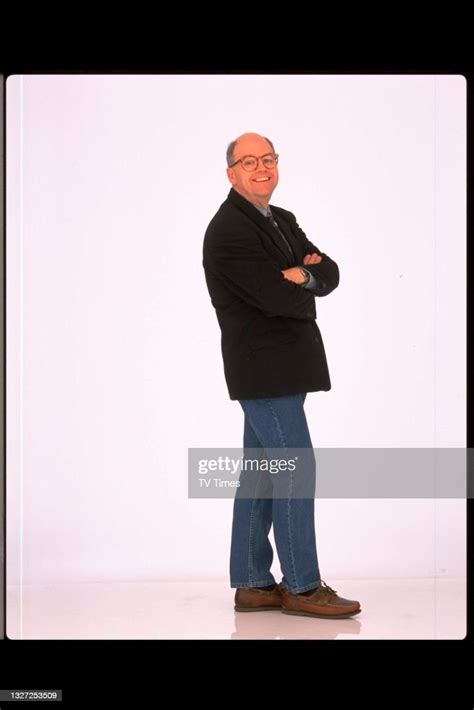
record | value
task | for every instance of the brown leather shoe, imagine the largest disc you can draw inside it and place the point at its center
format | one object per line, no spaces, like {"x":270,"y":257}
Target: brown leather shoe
{"x":256,"y":599}
{"x":324,"y":603}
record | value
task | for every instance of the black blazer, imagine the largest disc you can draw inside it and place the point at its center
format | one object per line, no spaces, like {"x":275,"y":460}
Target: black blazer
{"x":271,"y":345}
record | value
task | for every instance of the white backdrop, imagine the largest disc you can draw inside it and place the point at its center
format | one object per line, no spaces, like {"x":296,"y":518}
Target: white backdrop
{"x":113,"y":349}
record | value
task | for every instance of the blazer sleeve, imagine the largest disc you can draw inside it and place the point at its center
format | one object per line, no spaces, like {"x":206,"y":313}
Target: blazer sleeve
{"x":311,"y":285}
{"x":239,"y":259}
{"x":326,"y":272}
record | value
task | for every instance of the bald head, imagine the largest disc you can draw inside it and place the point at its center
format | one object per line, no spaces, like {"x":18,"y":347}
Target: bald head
{"x":241,"y":142}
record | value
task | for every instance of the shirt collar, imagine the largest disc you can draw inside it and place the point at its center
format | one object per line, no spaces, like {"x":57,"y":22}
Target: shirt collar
{"x":264,"y":210}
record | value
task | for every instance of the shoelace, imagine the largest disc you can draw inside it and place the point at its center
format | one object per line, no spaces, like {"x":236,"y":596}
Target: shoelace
{"x":328,"y":588}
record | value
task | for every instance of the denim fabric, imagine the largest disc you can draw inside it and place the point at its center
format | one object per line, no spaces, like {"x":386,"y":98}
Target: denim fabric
{"x":280,"y":423}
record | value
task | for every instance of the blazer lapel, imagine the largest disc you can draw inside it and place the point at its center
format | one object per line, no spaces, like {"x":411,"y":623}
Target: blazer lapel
{"x":292,"y":240}
{"x":263,"y":223}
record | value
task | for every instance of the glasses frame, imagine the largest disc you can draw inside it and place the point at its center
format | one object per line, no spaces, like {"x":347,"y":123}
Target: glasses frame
{"x":260,"y":157}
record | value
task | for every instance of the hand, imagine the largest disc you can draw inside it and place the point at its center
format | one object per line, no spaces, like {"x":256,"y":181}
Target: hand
{"x":312,"y":258}
{"x":294,"y":274}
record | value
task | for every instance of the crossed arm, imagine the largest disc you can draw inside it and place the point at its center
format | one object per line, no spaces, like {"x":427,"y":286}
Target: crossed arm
{"x":248,"y":272}
{"x":318,"y":264}
{"x":295,"y":274}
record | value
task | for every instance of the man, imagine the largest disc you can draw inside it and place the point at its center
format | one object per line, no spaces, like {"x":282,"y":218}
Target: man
{"x":263,"y":275}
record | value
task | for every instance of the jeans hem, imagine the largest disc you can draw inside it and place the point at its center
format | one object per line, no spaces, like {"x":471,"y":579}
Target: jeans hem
{"x":306,"y":588}
{"x":266,"y":583}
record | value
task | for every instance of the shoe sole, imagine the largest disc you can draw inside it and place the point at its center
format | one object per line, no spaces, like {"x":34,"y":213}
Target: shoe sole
{"x":321,"y":616}
{"x":257,"y":608}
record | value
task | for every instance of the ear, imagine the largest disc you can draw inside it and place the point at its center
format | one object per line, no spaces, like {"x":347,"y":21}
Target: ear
{"x":231,"y":175}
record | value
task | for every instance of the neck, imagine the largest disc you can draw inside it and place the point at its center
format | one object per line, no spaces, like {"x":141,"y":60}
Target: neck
{"x":260,"y":201}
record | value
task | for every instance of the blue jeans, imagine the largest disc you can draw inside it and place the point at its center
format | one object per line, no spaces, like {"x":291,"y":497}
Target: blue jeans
{"x":277,"y":422}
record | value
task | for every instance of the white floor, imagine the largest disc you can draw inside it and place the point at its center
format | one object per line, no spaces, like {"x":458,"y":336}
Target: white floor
{"x":391,"y":609}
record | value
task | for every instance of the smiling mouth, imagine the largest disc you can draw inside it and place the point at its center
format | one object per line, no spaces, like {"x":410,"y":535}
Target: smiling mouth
{"x":266,"y":179}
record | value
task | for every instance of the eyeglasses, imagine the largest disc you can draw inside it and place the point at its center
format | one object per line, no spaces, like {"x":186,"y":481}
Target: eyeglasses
{"x":250,"y":162}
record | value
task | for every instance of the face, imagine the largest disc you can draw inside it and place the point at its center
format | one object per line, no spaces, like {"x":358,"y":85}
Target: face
{"x":256,"y":186}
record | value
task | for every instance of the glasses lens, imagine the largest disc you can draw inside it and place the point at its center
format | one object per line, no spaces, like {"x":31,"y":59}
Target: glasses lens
{"x":249,"y":163}
{"x":269,"y":161}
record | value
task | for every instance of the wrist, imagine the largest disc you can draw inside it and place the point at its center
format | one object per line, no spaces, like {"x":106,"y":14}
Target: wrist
{"x":305,"y":275}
